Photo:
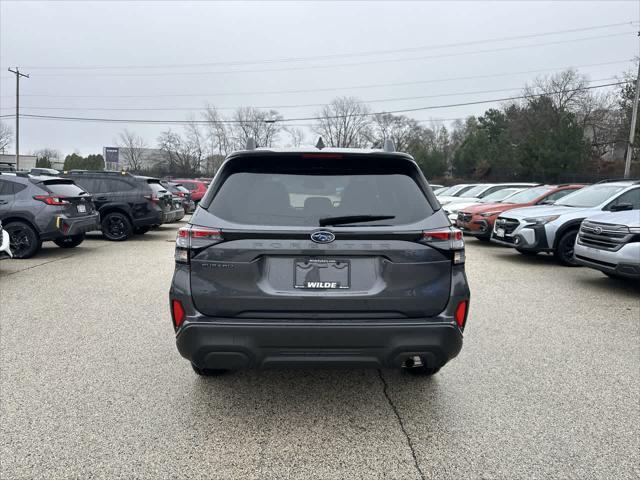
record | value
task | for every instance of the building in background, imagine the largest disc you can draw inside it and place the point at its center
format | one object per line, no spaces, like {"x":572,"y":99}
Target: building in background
{"x":27,"y":162}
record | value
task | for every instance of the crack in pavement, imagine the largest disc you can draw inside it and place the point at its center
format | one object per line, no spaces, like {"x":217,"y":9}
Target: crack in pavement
{"x":385,"y":391}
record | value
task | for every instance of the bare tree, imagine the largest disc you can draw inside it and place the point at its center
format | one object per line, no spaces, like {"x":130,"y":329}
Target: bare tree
{"x":6,"y":136}
{"x":219,"y":134}
{"x":345,"y":123}
{"x":46,"y":156}
{"x":296,"y":136}
{"x":565,"y":89}
{"x":260,"y":125}
{"x":397,"y":128}
{"x":195,"y":141}
{"x":132,"y":147}
{"x":177,"y":152}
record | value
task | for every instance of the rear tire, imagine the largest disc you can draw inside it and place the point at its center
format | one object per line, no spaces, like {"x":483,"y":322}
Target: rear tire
{"x":564,"y":249}
{"x":116,"y":227}
{"x":484,"y":239}
{"x":141,"y":230}
{"x":208,"y":372}
{"x":71,"y":241}
{"x":423,"y":371}
{"x":24,"y":241}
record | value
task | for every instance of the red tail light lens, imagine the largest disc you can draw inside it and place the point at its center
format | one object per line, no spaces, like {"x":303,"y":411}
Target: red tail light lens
{"x":152,"y":198}
{"x":177,"y":312}
{"x":446,"y":239}
{"x":192,"y":238}
{"x":49,"y":200}
{"x":461,"y":313}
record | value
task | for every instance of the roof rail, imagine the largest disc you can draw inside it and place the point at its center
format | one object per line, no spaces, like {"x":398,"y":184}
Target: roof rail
{"x":610,"y":180}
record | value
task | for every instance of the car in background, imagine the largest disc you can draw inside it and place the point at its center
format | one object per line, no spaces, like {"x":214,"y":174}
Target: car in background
{"x":554,"y":228}
{"x":35,"y":209}
{"x":50,"y":172}
{"x":338,"y":257}
{"x":478,"y":220}
{"x":454,"y":192}
{"x":127,"y":203}
{"x":5,"y":241}
{"x":197,"y":187}
{"x":439,"y":190}
{"x":452,"y":208}
{"x":610,"y":242}
{"x":180,"y":191}
{"x":435,"y":186}
{"x":480,"y":191}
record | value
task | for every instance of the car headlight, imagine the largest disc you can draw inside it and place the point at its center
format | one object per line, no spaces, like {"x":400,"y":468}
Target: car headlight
{"x":489,"y":214}
{"x":541,"y":220}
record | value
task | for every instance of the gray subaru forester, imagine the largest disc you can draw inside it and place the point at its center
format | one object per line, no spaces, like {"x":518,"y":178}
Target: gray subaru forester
{"x":333,"y":257}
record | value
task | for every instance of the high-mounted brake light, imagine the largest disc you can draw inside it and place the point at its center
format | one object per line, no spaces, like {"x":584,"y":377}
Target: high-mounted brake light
{"x":49,"y":200}
{"x":336,"y":156}
{"x":177,"y":312}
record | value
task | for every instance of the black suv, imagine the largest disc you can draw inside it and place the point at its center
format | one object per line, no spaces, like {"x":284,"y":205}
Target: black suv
{"x":35,"y":209}
{"x":127,"y":203}
{"x":322,"y":257}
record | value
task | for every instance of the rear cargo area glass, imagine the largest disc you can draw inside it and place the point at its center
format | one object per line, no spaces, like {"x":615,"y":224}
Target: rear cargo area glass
{"x":283,"y":199}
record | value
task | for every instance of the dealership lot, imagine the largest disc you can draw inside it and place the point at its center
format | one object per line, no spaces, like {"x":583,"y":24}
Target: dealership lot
{"x":546,"y":386}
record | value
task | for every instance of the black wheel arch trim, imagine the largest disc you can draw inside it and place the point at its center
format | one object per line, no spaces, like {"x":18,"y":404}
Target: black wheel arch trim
{"x":571,"y":225}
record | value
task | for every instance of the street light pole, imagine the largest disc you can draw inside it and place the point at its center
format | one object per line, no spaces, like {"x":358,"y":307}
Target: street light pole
{"x":632,"y":130}
{"x":18,"y":75}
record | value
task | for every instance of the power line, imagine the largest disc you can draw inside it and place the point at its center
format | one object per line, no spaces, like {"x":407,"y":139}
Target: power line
{"x":272,"y":107}
{"x":300,"y":119}
{"x":174,"y":73}
{"x":330,"y":89}
{"x":335,"y":55}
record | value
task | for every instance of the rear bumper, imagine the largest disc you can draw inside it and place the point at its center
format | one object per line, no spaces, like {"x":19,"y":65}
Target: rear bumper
{"x":172,"y":215}
{"x":63,"y":226}
{"x":228,"y":344}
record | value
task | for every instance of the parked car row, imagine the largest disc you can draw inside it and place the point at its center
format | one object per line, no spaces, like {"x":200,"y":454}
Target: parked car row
{"x":38,"y":208}
{"x":596,"y":225}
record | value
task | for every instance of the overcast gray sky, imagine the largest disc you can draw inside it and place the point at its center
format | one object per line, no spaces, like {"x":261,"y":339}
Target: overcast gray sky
{"x":180,"y":55}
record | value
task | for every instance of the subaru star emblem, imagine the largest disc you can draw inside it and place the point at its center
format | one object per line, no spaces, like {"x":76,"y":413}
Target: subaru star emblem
{"x":323,"y":236}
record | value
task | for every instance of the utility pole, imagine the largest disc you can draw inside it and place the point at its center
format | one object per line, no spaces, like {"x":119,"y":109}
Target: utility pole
{"x":632,"y":131}
{"x":18,"y":75}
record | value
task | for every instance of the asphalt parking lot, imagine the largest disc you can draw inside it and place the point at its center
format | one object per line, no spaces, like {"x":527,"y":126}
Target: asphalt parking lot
{"x":547,"y":384}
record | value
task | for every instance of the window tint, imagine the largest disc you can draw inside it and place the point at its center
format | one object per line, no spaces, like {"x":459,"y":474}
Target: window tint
{"x":500,"y":195}
{"x":632,"y":197}
{"x":189,"y":185}
{"x":528,"y":195}
{"x":462,"y":190}
{"x":474,"y":191}
{"x":301,"y":200}
{"x":63,"y":187}
{"x":6,"y":187}
{"x":117,"y":185}
{"x":157,"y":188}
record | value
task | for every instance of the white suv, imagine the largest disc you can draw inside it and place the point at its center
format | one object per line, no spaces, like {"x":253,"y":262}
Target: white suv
{"x":610,"y":242}
{"x":553,"y":228}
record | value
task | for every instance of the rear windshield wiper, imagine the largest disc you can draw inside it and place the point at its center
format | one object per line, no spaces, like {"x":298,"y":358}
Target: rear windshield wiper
{"x":353,"y":219}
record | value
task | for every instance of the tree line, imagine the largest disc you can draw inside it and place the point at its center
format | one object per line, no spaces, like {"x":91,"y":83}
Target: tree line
{"x":559,"y":130}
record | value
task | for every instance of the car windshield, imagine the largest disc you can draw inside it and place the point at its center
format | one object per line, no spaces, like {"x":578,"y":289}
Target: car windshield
{"x":288,"y":199}
{"x":590,"y":196}
{"x":500,"y":195}
{"x":475,"y":191}
{"x":458,"y":190}
{"x":441,"y":190}
{"x":528,"y":195}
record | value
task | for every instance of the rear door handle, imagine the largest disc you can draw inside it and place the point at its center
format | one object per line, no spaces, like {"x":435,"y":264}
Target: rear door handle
{"x":4,"y":202}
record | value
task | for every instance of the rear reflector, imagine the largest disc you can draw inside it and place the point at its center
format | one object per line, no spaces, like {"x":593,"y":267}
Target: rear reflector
{"x":461,"y":313}
{"x":177,"y":312}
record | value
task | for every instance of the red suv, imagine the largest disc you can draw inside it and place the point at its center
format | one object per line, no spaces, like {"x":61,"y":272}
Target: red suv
{"x":479,"y":219}
{"x":197,"y":187}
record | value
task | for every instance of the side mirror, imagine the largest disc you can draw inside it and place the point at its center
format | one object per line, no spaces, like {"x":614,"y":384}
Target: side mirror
{"x":621,"y":207}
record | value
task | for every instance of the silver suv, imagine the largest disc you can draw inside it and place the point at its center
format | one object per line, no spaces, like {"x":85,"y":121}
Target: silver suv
{"x":610,"y":242}
{"x":553,"y":228}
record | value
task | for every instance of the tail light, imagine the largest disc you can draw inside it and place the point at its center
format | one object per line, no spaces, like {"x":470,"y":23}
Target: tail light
{"x":191,"y":239}
{"x":461,"y":313}
{"x":177,"y":312}
{"x":49,"y":200}
{"x":152,"y":198}
{"x":180,"y":194}
{"x":448,"y":239}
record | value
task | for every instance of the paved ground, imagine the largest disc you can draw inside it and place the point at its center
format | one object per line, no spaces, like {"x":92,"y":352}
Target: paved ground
{"x":547,"y":385}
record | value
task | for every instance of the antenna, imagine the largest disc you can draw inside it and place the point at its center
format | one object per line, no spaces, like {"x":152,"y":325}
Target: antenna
{"x":251,"y":144}
{"x":320,"y":144}
{"x":389,"y":146}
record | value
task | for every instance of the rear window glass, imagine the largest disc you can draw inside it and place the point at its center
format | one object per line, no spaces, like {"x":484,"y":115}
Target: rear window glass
{"x":157,"y":188}
{"x":64,"y":188}
{"x":285,"y":199}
